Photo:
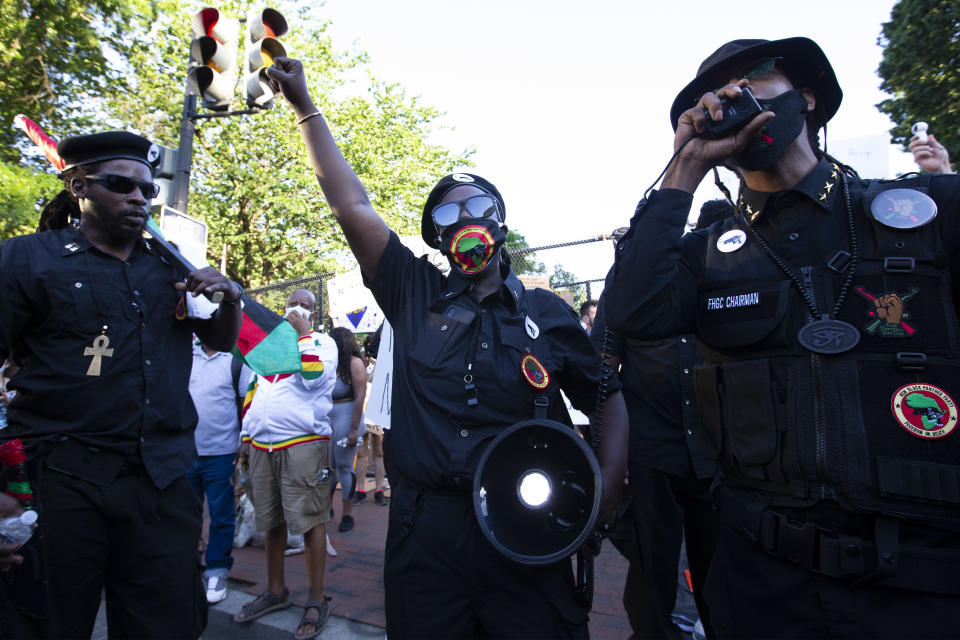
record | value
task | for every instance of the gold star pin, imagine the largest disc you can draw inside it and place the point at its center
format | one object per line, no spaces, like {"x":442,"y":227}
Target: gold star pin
{"x":823,"y":197}
{"x":750,"y":211}
{"x":828,"y":186}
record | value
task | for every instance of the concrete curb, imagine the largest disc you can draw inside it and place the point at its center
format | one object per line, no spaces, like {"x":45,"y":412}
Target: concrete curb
{"x":279,"y":625}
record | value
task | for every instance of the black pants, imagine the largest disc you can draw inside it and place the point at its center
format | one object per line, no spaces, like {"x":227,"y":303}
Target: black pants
{"x":136,"y":541}
{"x":756,"y":595}
{"x":443,"y":579}
{"x":665,"y":509}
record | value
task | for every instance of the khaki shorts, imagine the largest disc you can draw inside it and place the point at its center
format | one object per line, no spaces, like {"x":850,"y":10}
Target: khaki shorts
{"x":291,"y":485}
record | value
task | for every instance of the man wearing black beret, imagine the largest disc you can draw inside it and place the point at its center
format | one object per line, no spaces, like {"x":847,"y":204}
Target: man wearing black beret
{"x":827,"y":312}
{"x":473,"y":352}
{"x":90,"y":314}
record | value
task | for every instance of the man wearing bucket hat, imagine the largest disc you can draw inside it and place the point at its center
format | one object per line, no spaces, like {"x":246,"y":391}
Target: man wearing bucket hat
{"x":90,"y":314}
{"x":827,"y":314}
{"x":473,"y":351}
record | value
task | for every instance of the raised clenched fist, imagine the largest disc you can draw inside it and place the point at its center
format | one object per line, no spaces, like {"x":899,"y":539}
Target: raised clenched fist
{"x":889,"y":308}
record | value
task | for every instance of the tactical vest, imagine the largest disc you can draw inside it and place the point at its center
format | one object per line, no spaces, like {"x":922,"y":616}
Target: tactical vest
{"x":873,"y":428}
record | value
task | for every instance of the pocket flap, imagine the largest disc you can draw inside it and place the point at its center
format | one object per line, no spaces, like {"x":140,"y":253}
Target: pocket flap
{"x":742,"y":315}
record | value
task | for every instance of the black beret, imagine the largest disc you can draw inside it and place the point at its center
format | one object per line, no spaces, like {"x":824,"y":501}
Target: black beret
{"x":109,"y":145}
{"x":427,"y":230}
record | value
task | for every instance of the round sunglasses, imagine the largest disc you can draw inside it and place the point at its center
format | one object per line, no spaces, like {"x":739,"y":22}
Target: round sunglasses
{"x":480,"y":206}
{"x":123,"y":184}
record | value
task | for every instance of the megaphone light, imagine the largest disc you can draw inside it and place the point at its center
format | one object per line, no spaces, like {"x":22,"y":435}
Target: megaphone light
{"x":534,"y":489}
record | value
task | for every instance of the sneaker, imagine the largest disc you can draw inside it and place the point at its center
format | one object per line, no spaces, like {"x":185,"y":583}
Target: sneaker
{"x":216,"y":589}
{"x":330,"y":550}
{"x":346,"y":524}
{"x":380,"y":499}
{"x":360,"y":497}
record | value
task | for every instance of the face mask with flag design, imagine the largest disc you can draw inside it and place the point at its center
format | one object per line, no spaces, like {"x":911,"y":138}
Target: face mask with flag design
{"x":472,"y":244}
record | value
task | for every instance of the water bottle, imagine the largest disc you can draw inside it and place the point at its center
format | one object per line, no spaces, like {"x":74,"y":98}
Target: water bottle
{"x":18,"y":529}
{"x":342,"y":442}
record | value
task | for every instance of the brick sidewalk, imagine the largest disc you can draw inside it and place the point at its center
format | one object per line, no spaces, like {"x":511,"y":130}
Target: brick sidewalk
{"x":355,"y":576}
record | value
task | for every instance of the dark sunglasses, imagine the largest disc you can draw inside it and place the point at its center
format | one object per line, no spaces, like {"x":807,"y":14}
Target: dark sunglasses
{"x":754,"y":70}
{"x":482,"y":206}
{"x":123,"y":184}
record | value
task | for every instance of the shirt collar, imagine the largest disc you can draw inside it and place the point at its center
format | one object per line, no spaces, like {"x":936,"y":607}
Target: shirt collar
{"x":510,"y":291}
{"x":73,"y":242}
{"x":820,"y":186}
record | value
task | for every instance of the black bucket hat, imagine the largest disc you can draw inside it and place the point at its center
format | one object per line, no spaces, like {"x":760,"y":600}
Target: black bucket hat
{"x":803,"y":58}
{"x":427,"y":229}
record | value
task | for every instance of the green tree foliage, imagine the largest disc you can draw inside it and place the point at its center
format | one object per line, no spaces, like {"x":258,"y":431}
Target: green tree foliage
{"x":523,"y":263}
{"x":20,"y":198}
{"x":921,"y":69}
{"x":58,"y":61}
{"x":560,"y":279}
{"x":251,"y":181}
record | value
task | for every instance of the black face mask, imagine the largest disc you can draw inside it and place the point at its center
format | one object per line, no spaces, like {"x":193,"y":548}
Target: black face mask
{"x":472,"y":244}
{"x":776,"y":135}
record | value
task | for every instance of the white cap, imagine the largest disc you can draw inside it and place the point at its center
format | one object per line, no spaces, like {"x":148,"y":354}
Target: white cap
{"x":28,"y":517}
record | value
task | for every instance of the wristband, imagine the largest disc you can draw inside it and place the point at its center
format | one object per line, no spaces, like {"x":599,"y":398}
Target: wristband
{"x":308,"y":116}
{"x":235,"y":300}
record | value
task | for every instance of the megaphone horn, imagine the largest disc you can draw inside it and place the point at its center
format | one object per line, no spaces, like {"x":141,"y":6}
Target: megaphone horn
{"x":537,"y":492}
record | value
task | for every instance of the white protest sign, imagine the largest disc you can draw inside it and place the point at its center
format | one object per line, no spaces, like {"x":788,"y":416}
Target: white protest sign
{"x":351,"y":303}
{"x":381,"y":389}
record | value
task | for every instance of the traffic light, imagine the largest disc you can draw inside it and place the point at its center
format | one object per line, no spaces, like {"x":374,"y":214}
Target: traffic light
{"x":263,"y":30}
{"x":213,"y":58}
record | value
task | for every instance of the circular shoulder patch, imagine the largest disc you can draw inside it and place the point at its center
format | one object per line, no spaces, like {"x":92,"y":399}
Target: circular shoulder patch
{"x":903,"y":208}
{"x":535,"y":373}
{"x":731,"y":241}
{"x":925,"y":410}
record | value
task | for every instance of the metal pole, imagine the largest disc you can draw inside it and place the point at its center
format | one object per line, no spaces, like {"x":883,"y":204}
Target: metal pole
{"x":181,"y":180}
{"x":589,"y":296}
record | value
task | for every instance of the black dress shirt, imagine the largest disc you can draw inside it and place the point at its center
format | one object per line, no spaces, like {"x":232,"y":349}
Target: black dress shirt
{"x":59,"y":291}
{"x":443,"y":334}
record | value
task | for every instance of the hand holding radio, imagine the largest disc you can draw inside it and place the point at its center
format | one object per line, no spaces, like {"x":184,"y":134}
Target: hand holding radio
{"x":718,"y":127}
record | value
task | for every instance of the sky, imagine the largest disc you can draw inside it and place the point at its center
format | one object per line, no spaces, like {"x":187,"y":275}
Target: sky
{"x":567,"y":103}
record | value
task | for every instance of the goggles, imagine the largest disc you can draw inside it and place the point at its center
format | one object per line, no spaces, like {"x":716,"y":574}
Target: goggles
{"x":123,"y":184}
{"x":479,"y":206}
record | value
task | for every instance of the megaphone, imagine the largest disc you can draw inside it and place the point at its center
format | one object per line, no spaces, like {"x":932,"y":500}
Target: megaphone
{"x":536,"y":492}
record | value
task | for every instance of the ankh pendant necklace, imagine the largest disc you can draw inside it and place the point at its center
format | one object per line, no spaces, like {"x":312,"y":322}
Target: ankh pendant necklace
{"x":824,"y":334}
{"x":101,"y":343}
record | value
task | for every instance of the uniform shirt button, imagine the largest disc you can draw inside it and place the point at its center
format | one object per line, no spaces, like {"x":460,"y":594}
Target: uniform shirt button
{"x":78,"y":284}
{"x":147,"y":401}
{"x":148,"y":362}
{"x":683,"y":340}
{"x":464,"y":433}
{"x":136,"y":292}
{"x":686,"y":402}
{"x":686,"y":371}
{"x":483,"y":345}
{"x":689,"y":432}
{"x":443,"y":328}
{"x":794,"y":235}
{"x":142,"y":440}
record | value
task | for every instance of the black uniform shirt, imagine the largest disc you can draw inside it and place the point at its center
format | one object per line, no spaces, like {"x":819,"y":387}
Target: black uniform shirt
{"x":58,"y":292}
{"x":657,"y":378}
{"x":440,"y":328}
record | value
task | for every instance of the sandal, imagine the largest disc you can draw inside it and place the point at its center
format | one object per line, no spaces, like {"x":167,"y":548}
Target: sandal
{"x":264,"y":604}
{"x":318,"y":621}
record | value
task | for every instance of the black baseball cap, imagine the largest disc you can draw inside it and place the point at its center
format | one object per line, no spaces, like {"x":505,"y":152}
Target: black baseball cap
{"x":803,"y":58}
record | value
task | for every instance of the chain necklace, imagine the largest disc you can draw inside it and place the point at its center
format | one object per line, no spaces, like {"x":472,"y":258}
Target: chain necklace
{"x":824,"y":333}
{"x":100,"y":348}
